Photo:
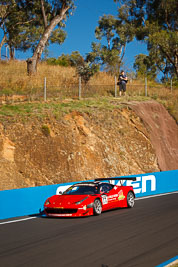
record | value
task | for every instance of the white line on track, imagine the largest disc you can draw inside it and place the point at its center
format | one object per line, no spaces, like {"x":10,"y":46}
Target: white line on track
{"x":160,"y":195}
{"x":25,"y":219}
{"x":141,"y":198}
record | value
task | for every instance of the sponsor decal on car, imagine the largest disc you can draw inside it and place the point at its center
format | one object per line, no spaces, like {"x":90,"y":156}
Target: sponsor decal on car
{"x":121,"y":195}
{"x":113,"y":198}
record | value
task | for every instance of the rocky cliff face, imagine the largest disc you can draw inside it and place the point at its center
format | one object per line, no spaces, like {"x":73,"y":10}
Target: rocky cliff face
{"x":140,"y":138}
{"x":163,"y":132}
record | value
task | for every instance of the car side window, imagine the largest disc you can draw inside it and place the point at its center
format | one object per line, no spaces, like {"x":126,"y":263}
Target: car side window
{"x":105,"y":188}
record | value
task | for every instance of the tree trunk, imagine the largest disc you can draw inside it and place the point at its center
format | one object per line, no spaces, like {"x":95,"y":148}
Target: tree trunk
{"x":33,"y":61}
{"x":2,"y":43}
{"x":12,"y":53}
{"x":31,"y":66}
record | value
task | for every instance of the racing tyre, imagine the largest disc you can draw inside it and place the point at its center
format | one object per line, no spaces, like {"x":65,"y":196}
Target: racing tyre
{"x":130,"y":199}
{"x":97,"y":207}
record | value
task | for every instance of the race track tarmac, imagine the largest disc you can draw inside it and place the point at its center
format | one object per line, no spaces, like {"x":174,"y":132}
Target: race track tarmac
{"x":146,"y":235}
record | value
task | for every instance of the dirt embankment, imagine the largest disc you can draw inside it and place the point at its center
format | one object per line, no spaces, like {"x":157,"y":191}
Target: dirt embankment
{"x":83,"y":146}
{"x":163,"y":132}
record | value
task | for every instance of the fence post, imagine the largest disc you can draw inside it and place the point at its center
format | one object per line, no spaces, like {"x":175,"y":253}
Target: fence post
{"x":45,"y":89}
{"x":80,"y":88}
{"x":115,"y":79}
{"x":146,"y":86}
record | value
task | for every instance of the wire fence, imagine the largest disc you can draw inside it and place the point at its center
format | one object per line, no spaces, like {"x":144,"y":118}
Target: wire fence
{"x":51,"y":89}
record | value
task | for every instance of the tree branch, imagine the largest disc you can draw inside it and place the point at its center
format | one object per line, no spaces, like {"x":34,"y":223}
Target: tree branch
{"x":48,"y":31}
{"x":44,"y":14}
{"x":3,"y":41}
{"x":123,"y":52}
{"x":25,"y":22}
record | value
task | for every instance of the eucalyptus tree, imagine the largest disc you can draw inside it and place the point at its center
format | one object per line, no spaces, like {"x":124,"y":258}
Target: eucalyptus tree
{"x":145,"y":66}
{"x":6,"y":8}
{"x":19,"y":24}
{"x":54,"y":14}
{"x":156,"y":23}
{"x":117,"y":32}
{"x":34,"y":24}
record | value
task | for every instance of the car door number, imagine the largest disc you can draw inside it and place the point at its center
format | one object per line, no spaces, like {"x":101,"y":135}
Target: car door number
{"x":104,"y":199}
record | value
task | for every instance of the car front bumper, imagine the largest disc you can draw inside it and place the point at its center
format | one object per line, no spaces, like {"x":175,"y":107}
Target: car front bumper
{"x":68,"y":212}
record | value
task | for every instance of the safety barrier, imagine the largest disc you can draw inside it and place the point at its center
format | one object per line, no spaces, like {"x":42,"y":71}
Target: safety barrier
{"x":28,"y":201}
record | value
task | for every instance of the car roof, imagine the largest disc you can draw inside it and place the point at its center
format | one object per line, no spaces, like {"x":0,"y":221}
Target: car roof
{"x":96,"y":183}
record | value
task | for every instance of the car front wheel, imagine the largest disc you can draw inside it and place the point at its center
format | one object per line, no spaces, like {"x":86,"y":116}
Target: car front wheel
{"x":97,"y":207}
{"x":130,"y":200}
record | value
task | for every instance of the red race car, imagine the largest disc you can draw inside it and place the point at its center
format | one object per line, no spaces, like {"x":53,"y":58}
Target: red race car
{"x":90,"y":198}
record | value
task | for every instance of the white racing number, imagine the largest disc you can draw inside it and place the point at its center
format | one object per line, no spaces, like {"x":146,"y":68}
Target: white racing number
{"x":104,"y":199}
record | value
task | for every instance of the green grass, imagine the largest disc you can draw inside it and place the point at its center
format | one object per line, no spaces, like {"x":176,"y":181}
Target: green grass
{"x":57,"y":108}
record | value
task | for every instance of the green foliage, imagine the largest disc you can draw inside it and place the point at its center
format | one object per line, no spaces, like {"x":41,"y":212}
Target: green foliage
{"x":58,"y":36}
{"x":166,"y":43}
{"x":156,"y":23}
{"x":63,"y":60}
{"x":73,"y":60}
{"x":21,"y":24}
{"x":117,"y":32}
{"x":86,"y":71}
{"x":84,"y":68}
{"x":106,"y":29}
{"x":24,"y":22}
{"x":109,"y":58}
{"x":76,"y":59}
{"x":145,"y":66}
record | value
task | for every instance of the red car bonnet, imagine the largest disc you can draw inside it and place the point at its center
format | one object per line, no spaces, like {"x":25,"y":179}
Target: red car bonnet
{"x":66,"y":199}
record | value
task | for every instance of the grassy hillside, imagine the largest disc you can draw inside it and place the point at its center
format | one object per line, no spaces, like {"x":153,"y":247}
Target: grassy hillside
{"x":62,"y":83}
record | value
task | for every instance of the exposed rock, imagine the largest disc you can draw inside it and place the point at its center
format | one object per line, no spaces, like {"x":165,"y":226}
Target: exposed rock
{"x":163,"y":132}
{"x":84,"y":146}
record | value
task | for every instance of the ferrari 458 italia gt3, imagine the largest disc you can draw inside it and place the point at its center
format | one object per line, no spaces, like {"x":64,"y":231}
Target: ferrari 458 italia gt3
{"x":90,"y":198}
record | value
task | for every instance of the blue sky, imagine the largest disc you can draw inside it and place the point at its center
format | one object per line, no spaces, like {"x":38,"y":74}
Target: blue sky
{"x":80,"y":30}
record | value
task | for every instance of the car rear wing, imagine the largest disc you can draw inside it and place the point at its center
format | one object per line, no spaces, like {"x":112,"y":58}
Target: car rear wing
{"x":117,"y":179}
{"x":121,"y":179}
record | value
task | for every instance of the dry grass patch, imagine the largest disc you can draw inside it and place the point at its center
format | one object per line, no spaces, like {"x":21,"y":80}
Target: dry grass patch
{"x":62,"y":83}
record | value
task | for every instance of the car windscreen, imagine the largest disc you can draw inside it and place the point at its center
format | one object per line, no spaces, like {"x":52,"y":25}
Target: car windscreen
{"x":81,"y":190}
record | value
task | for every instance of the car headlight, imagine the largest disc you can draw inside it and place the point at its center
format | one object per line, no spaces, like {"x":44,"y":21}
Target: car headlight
{"x":47,"y":202}
{"x":79,"y":202}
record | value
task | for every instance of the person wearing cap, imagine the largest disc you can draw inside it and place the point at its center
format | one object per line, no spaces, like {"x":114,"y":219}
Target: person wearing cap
{"x":122,"y":83}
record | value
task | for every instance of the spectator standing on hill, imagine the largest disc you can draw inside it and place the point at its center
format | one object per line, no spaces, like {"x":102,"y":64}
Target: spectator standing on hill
{"x":122,"y":83}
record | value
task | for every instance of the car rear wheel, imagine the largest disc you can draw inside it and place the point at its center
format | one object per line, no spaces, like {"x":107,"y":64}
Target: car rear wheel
{"x":130,"y":200}
{"x":97,"y":207}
